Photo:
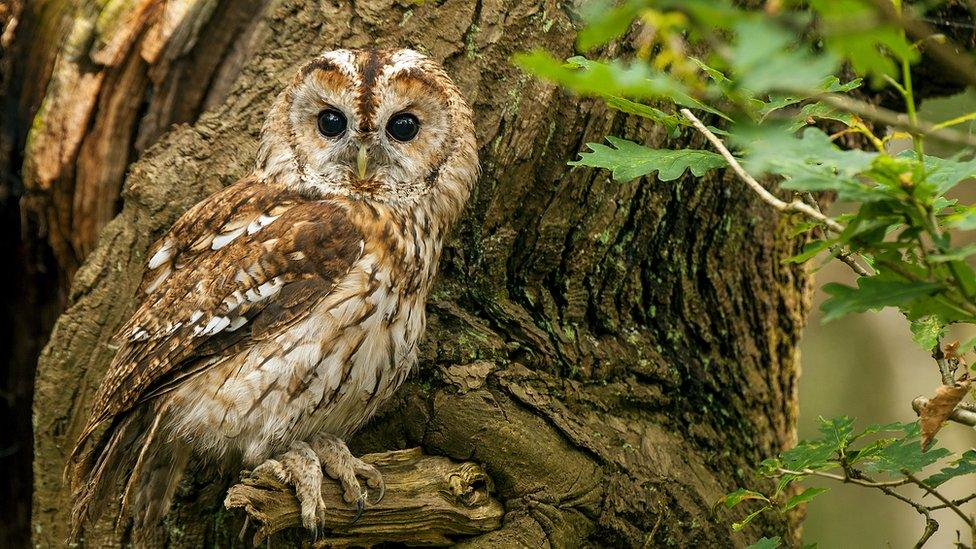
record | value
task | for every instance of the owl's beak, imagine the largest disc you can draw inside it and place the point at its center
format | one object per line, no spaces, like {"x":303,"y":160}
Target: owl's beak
{"x":362,"y":160}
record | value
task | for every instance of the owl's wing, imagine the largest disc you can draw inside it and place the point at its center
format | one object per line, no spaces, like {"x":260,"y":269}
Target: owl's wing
{"x":237,"y":268}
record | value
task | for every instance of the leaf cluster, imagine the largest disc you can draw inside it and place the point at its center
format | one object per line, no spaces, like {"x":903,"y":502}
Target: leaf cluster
{"x":843,"y":454}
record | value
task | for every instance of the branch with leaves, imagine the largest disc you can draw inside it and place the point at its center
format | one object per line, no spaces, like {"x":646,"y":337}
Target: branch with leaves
{"x":779,"y":109}
{"x":856,"y":455}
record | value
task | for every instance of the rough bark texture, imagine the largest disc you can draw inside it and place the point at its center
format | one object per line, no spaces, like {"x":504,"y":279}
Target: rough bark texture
{"x":85,"y":87}
{"x":616,"y":356}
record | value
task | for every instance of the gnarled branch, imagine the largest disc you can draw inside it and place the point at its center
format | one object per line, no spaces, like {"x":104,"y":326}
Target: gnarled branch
{"x":430,"y":500}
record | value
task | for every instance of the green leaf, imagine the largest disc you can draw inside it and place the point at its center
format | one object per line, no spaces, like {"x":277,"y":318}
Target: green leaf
{"x":655,"y":84}
{"x":803,"y":497}
{"x":831,"y":84}
{"x":872,"y":293}
{"x":926,"y":331}
{"x":965,"y":465}
{"x":657,"y":115}
{"x":766,"y":543}
{"x":736,"y":526}
{"x":732,"y":499}
{"x":954,"y":254}
{"x":810,"y":250}
{"x":604,"y":23}
{"x":853,"y":30}
{"x":614,"y":79}
{"x":821,"y":453}
{"x":905,"y":454}
{"x":837,"y":431}
{"x":810,"y":163}
{"x":716,"y":75}
{"x":821,"y":112}
{"x":763,"y":52}
{"x":946,"y":173}
{"x":964,"y":220}
{"x":628,"y":160}
{"x":622,"y":80}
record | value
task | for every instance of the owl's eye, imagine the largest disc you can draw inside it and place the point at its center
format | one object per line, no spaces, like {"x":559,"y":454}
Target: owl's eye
{"x":332,"y":123}
{"x":403,"y":126}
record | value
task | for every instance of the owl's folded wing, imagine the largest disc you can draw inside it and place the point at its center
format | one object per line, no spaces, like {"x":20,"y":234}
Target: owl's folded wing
{"x":237,"y":268}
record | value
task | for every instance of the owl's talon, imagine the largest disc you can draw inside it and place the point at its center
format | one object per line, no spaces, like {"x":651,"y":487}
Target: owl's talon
{"x":300,"y":468}
{"x":360,"y":507}
{"x":344,"y":467}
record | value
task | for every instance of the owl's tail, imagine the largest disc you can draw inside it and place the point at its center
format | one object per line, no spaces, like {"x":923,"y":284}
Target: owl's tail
{"x":129,"y":461}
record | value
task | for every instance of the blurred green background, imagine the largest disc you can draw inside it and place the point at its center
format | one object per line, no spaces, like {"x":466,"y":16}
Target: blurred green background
{"x":866,"y":366}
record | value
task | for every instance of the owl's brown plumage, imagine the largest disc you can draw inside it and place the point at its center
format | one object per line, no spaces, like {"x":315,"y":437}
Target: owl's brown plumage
{"x":280,"y":312}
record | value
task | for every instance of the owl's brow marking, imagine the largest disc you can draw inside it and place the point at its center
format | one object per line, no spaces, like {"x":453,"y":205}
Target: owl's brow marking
{"x":367,"y":99}
{"x":320,"y":64}
{"x":416,"y":76}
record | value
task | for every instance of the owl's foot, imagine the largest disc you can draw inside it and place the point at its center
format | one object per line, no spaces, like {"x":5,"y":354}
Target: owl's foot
{"x":300,"y":467}
{"x":344,"y":467}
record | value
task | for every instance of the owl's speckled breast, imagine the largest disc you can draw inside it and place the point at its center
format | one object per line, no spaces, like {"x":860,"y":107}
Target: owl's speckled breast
{"x":332,"y":370}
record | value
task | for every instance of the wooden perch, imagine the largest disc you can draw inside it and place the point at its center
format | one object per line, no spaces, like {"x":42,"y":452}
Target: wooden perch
{"x":429,"y":500}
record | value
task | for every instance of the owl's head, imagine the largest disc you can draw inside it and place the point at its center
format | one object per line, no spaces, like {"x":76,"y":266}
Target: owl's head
{"x":387,"y":125}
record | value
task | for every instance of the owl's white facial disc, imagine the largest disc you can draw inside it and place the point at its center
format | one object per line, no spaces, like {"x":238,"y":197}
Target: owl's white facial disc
{"x":371,"y":123}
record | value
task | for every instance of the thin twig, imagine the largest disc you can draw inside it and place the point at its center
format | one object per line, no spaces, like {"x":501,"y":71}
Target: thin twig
{"x":847,"y":479}
{"x":843,"y":255}
{"x":968,"y":519}
{"x":896,"y":120}
{"x":766,"y":196}
{"x":931,"y":527}
{"x":968,"y":406}
{"x":960,"y":501}
{"x":848,"y":259}
{"x":940,"y":360}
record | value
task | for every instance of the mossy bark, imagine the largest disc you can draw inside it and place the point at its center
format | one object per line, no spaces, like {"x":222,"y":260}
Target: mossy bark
{"x":616,"y":356}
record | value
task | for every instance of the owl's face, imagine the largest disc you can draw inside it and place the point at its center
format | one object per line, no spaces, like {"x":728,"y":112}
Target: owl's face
{"x":369,"y":123}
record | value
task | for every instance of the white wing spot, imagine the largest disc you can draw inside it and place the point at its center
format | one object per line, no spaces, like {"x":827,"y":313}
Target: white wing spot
{"x":222,"y":240}
{"x":159,"y":280}
{"x":261,"y":222}
{"x":162,"y":255}
{"x":215,"y":325}
{"x":236,"y":323}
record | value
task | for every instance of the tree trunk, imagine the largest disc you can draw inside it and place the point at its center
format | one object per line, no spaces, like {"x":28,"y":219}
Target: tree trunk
{"x":615,"y":356}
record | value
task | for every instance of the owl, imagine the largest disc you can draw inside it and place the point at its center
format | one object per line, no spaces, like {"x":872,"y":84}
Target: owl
{"x":279,"y":313}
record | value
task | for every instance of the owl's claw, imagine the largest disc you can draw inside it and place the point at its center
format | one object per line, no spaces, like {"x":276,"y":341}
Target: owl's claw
{"x":341,"y":465}
{"x":360,"y":507}
{"x":300,"y":468}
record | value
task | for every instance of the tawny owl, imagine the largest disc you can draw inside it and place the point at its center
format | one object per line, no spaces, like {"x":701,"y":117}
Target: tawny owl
{"x":279,"y":313}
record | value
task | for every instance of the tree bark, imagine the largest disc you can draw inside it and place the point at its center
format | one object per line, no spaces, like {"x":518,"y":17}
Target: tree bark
{"x":615,"y":356}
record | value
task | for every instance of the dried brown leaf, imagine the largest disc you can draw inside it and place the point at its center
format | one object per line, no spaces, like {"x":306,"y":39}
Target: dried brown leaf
{"x":950,"y":350}
{"x":938,"y":409}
